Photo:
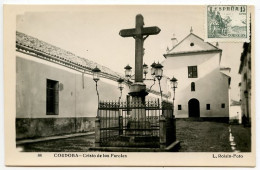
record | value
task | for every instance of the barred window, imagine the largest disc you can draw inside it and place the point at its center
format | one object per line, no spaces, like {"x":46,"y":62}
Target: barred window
{"x":179,"y":107}
{"x":52,"y":97}
{"x":192,"y":72}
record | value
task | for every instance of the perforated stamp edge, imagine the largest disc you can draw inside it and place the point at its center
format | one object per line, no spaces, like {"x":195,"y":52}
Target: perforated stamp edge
{"x":228,"y":38}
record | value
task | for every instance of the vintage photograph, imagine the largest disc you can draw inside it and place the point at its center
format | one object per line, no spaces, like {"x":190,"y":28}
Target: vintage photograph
{"x":125,"y":79}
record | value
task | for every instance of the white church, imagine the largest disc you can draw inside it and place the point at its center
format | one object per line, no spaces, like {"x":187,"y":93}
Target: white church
{"x":203,"y":85}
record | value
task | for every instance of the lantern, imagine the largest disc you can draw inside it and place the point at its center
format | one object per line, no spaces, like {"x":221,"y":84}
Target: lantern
{"x":96,"y":71}
{"x":158,"y":71}
{"x":120,"y":83}
{"x":174,"y":82}
{"x":128,"y":72}
{"x":145,"y":69}
{"x":153,"y":69}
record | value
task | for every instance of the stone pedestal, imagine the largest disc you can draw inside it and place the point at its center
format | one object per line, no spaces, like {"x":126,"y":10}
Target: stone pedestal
{"x":138,"y":126}
{"x":162,"y":132}
{"x":138,"y":92}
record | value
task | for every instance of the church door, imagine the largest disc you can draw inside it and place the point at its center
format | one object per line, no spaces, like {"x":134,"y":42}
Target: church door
{"x":194,"y":108}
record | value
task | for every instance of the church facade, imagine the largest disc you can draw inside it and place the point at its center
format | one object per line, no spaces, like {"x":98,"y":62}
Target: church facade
{"x":203,"y":85}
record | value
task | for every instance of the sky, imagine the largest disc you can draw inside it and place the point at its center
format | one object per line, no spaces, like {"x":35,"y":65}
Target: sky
{"x":93,"y":32}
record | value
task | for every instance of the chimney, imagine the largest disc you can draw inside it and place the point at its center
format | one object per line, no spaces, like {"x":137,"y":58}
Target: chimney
{"x":191,"y":30}
{"x":174,"y":41}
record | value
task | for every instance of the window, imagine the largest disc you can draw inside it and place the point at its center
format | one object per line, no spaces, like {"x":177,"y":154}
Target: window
{"x":179,"y":107}
{"x":192,"y":72}
{"x":208,"y":106}
{"x":192,"y":86}
{"x":52,"y":95}
{"x":223,"y":105}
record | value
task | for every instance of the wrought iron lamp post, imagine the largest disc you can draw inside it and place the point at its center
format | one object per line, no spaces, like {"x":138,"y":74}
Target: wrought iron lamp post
{"x":120,"y":86}
{"x":159,"y":74}
{"x":153,"y":74}
{"x":96,"y":71}
{"x":156,"y":73}
{"x":153,"y":70}
{"x":128,"y":73}
{"x":174,"y":84}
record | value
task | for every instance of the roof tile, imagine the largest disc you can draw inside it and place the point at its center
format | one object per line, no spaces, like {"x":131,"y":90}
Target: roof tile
{"x":57,"y":52}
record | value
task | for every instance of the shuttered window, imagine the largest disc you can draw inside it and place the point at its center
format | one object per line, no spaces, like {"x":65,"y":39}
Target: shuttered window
{"x":52,"y":97}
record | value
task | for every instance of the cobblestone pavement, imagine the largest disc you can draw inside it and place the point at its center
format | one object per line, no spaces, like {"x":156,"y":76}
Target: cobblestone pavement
{"x":195,"y":136}
{"x":205,"y":136}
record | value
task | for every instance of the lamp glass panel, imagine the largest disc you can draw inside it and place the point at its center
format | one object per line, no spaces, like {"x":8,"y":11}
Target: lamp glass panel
{"x":95,"y":76}
{"x":152,"y":71}
{"x":172,"y":84}
{"x":158,"y":72}
{"x":128,"y":73}
{"x":120,"y":85}
{"x":145,"y":69}
{"x":175,"y":84}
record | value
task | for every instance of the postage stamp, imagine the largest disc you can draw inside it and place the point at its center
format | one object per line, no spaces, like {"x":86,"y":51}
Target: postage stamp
{"x":227,"y":23}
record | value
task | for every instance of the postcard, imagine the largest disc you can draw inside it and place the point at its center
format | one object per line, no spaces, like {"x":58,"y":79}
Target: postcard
{"x":129,"y":85}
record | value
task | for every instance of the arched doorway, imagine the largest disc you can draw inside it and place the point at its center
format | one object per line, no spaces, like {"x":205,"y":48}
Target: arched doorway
{"x":194,"y":108}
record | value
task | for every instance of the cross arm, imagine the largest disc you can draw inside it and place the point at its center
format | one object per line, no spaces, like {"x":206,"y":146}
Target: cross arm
{"x":145,"y":31}
{"x":151,"y":30}
{"x":127,"y":32}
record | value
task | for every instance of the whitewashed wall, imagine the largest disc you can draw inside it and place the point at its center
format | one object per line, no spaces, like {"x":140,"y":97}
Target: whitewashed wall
{"x":211,"y":86}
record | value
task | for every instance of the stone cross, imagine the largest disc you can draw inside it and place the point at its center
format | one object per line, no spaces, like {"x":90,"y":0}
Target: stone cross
{"x":139,"y":33}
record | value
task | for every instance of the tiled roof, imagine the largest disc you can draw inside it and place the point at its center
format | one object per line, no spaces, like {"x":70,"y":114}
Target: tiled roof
{"x":56,"y":52}
{"x":29,"y":43}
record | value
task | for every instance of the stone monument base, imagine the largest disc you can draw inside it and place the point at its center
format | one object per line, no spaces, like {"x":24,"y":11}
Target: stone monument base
{"x":139,"y":128}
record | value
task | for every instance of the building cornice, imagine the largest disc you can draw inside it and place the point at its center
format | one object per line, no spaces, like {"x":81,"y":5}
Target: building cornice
{"x":184,"y":53}
{"x":195,"y":36}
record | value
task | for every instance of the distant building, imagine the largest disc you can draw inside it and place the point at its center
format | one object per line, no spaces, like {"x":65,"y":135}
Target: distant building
{"x":235,"y":112}
{"x":245,"y":85}
{"x":203,"y":85}
{"x":55,"y":92}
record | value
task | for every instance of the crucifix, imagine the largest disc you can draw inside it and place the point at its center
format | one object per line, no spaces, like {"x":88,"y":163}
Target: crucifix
{"x":139,"y":33}
{"x":138,"y":88}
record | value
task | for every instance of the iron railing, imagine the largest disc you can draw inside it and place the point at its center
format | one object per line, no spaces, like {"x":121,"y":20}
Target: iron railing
{"x":135,"y":118}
